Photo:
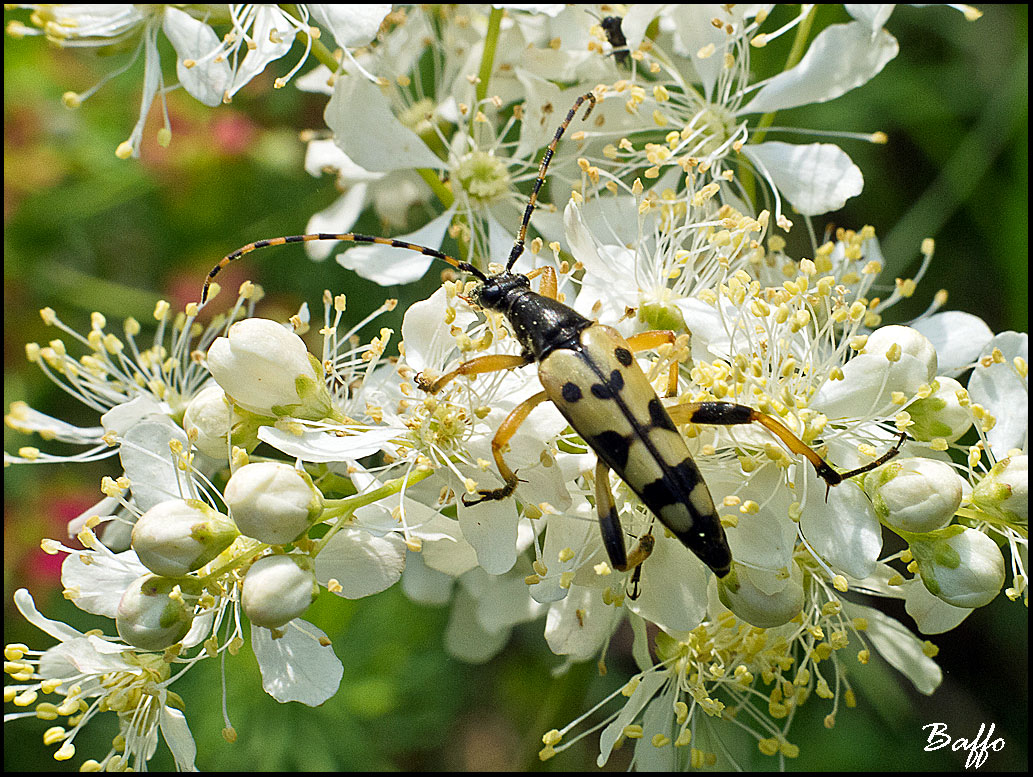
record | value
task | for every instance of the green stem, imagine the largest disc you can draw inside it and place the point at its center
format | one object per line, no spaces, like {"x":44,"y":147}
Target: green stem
{"x":803,"y":32}
{"x":491,"y":41}
{"x":442,"y":192}
{"x":343,"y":508}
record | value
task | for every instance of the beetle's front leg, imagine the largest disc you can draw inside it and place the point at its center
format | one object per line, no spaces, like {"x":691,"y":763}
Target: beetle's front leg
{"x":502,"y":437}
{"x":476,"y":366}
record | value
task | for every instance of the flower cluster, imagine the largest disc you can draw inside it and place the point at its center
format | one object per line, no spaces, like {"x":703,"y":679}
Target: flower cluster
{"x":253,"y":472}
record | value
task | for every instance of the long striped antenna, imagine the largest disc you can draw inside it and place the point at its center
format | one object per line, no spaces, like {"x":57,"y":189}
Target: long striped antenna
{"x":346,"y":237}
{"x":518,"y":246}
{"x":354,"y":237}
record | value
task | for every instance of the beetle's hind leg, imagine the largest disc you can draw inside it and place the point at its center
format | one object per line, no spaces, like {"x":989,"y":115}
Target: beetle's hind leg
{"x":502,"y":437}
{"x":730,"y":414}
{"x":613,"y":533}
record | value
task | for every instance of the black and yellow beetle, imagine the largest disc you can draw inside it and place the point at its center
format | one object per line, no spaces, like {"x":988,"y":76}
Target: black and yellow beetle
{"x":588,"y":371}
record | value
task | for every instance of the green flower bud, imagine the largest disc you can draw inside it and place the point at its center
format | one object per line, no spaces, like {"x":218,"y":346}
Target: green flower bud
{"x":740,"y":594}
{"x":178,"y":536}
{"x":658,"y":315}
{"x":272,"y":502}
{"x":961,"y":566}
{"x":940,"y":415}
{"x":210,"y":418}
{"x":156,"y":612}
{"x":278,"y":589}
{"x":915,"y":494}
{"x":1004,"y":491}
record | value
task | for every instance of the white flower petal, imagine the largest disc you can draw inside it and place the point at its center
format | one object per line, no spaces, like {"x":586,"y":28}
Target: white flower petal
{"x":297,"y":667}
{"x":644,"y":691}
{"x":466,"y":638}
{"x":1000,"y":389}
{"x":579,"y":625}
{"x":147,"y":461}
{"x":428,"y":340}
{"x":352,"y":24}
{"x":99,"y":580}
{"x":397,"y":147}
{"x":693,"y":32}
{"x":362,"y":563}
{"x":673,"y":588}
{"x":425,"y":585}
{"x":875,"y":15}
{"x":844,"y":531}
{"x":176,"y":733}
{"x":273,"y":35}
{"x":932,"y":615}
{"x":315,"y":446}
{"x":193,"y":40}
{"x":901,"y":649}
{"x":390,"y":266}
{"x":491,"y":528}
{"x":866,"y":390}
{"x":816,"y":178}
{"x":958,"y":337}
{"x":27,"y":607}
{"x":842,"y":57}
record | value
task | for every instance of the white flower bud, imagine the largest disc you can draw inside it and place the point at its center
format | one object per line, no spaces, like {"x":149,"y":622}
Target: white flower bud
{"x":910,"y":341}
{"x":267,"y":370}
{"x":738,"y":592}
{"x":178,"y":536}
{"x":915,"y":494}
{"x":1004,"y":491}
{"x":154,"y":612}
{"x":278,"y":589}
{"x":272,"y":502}
{"x":961,"y":566}
{"x":210,"y":418}
{"x":940,"y":414}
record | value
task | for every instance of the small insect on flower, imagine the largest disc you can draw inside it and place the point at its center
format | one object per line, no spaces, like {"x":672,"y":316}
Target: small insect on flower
{"x":589,"y":372}
{"x":615,"y":37}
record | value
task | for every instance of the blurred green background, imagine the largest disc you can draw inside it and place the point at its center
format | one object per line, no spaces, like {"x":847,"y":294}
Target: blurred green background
{"x":85,"y":231}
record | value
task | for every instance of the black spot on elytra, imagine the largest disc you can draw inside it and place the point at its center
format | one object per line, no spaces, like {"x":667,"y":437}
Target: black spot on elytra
{"x":611,"y":388}
{"x":674,"y":486}
{"x":571,"y":392}
{"x":659,"y":417}
{"x":623,"y":356}
{"x":615,"y":447}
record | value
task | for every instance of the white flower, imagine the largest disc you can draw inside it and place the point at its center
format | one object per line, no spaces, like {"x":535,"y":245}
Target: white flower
{"x":101,"y":674}
{"x":208,"y":65}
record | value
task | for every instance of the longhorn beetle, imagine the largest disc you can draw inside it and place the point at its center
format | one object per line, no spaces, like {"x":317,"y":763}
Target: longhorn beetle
{"x":588,"y":370}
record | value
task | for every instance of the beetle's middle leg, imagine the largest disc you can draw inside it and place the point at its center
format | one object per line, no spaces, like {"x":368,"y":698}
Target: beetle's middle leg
{"x":729,"y":414}
{"x":502,"y":437}
{"x":654,"y":338}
